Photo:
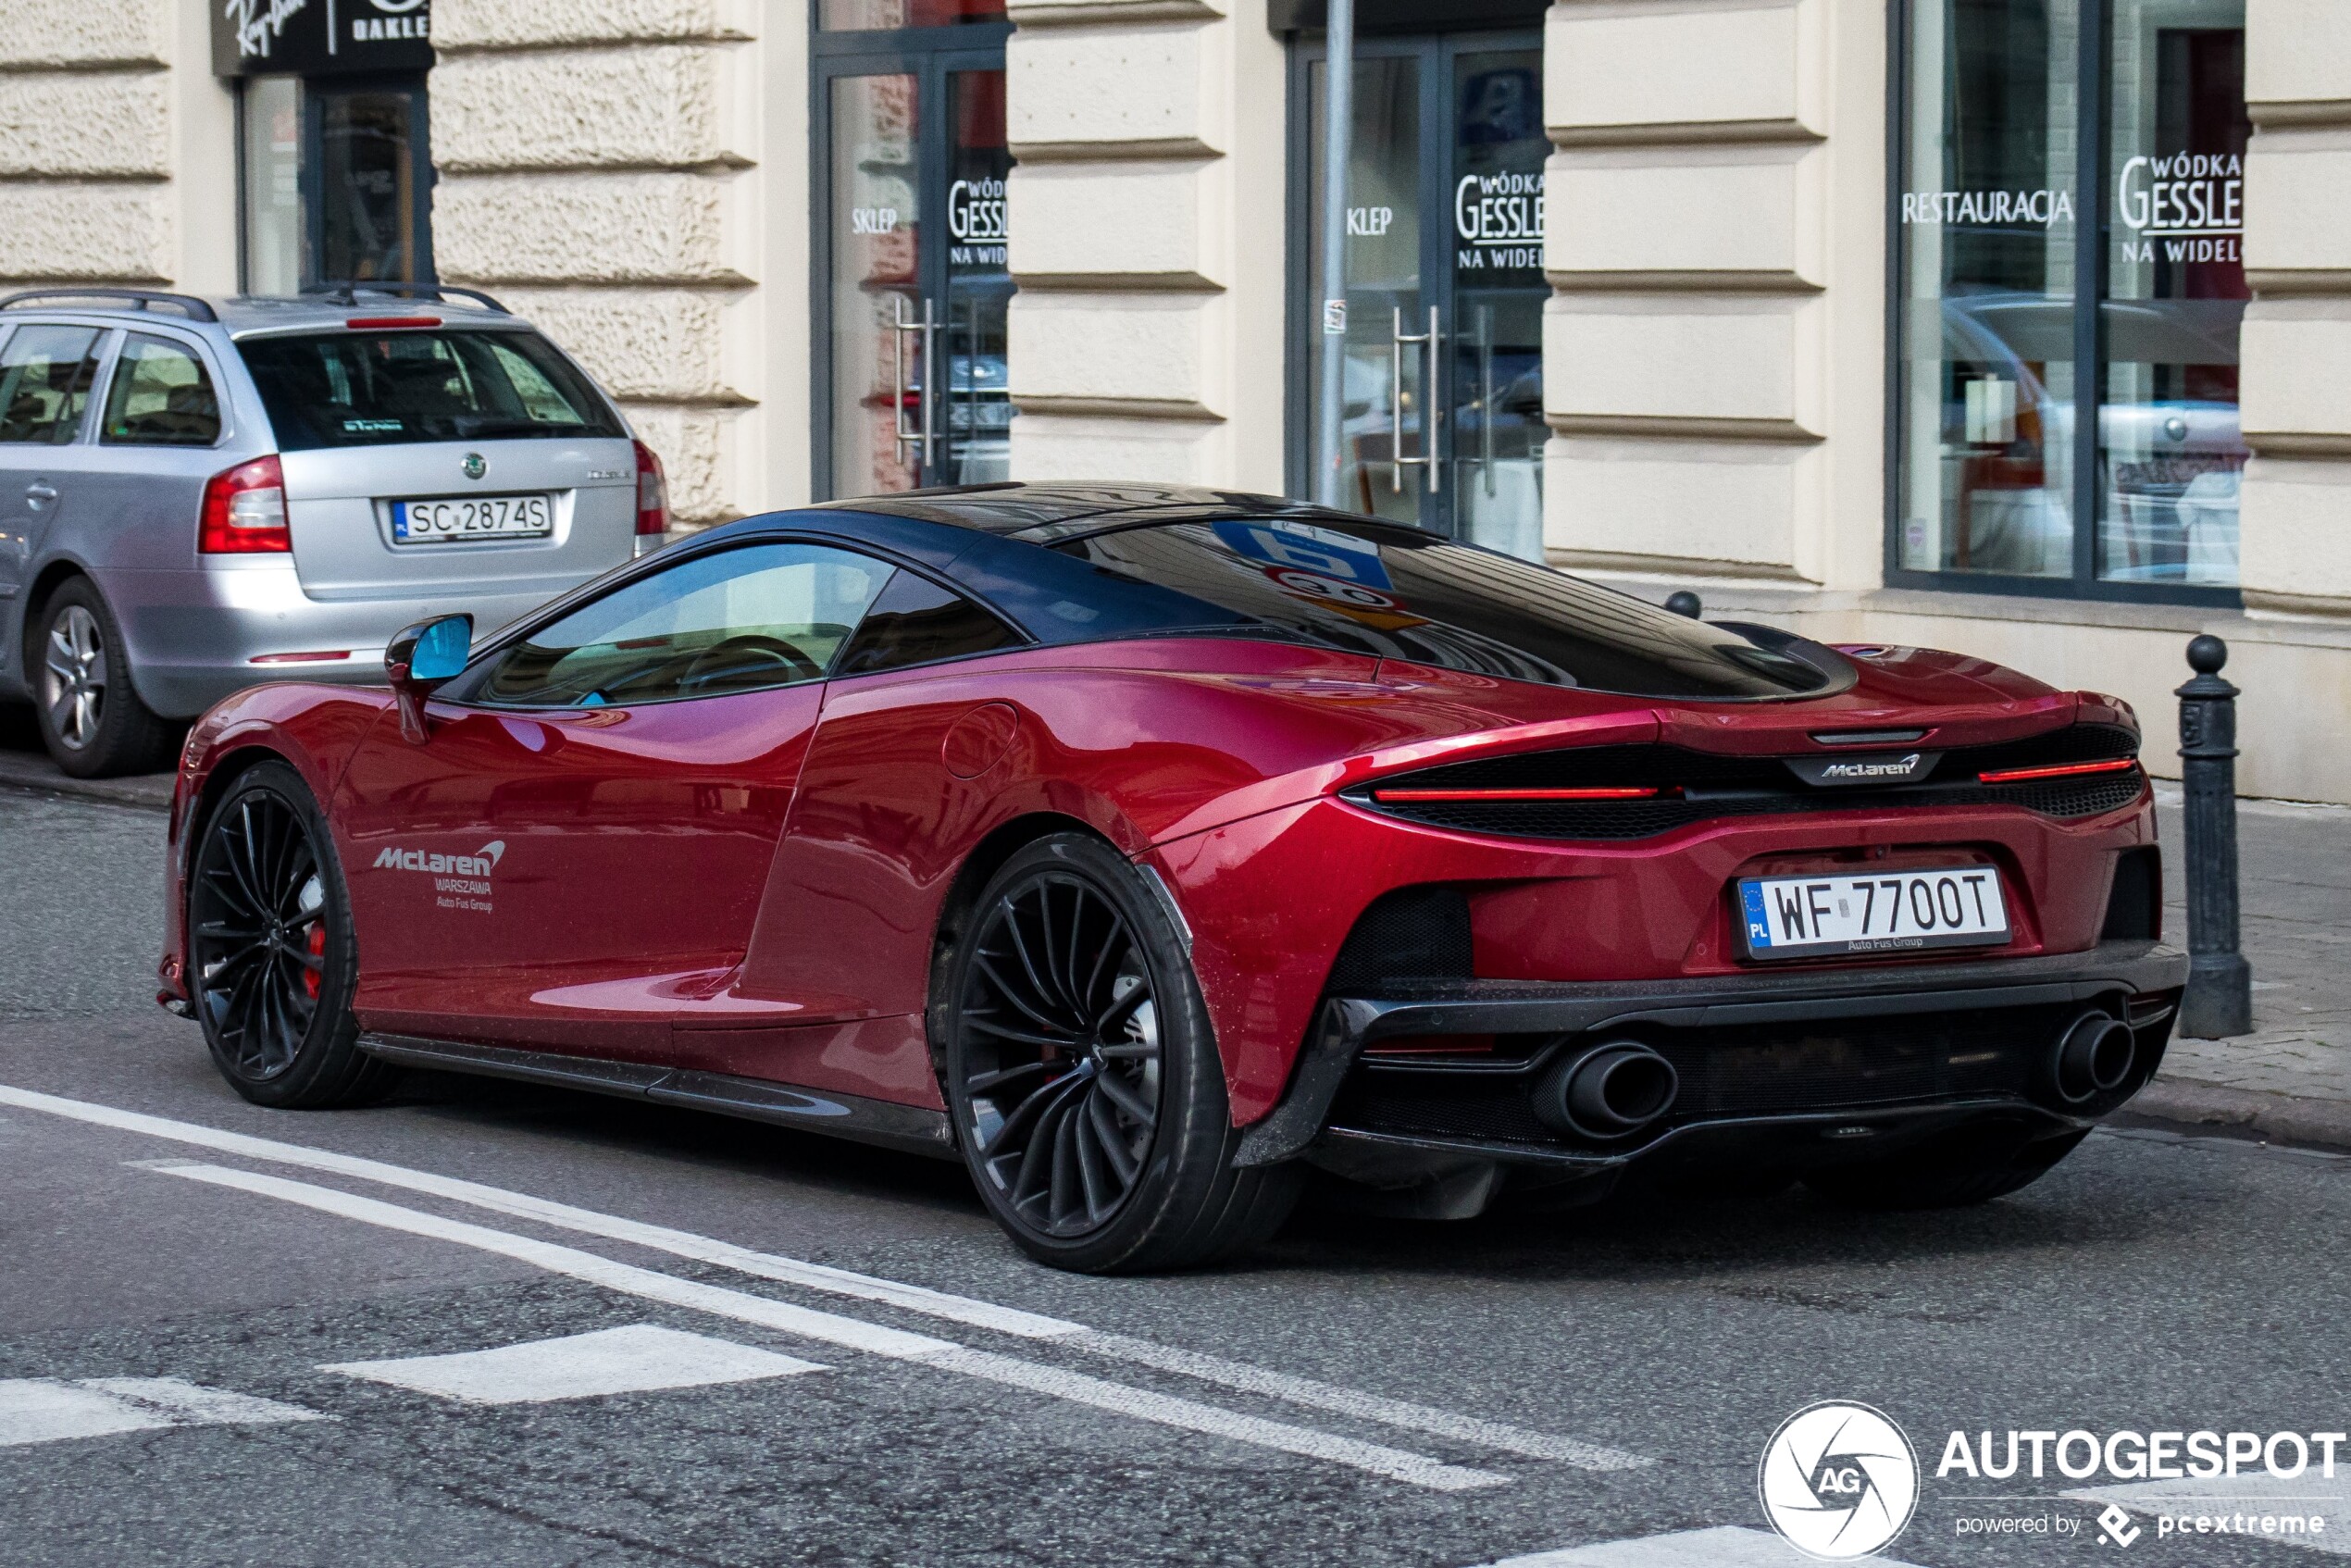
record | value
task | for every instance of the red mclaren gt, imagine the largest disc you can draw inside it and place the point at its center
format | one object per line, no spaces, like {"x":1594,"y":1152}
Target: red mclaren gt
{"x":1145,"y":849}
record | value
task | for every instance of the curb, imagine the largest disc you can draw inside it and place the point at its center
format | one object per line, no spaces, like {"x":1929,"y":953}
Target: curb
{"x":2281,"y":1117}
{"x":146,"y":792}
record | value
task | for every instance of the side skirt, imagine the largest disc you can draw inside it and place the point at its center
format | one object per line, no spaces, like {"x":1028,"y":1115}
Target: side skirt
{"x":911,"y":1128}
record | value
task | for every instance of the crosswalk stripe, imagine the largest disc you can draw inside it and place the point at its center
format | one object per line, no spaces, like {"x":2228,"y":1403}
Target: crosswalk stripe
{"x":1403,"y":1414}
{"x":852,"y":1333}
{"x":49,"y":1410}
{"x":1726,"y":1546}
{"x":641,"y":1358}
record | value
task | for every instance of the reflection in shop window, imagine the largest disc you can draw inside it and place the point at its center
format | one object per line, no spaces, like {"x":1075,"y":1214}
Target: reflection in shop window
{"x":2171,"y":449}
{"x":1994,"y":465}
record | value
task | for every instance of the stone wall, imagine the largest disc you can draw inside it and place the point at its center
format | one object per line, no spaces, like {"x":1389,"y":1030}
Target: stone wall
{"x":116,"y":147}
{"x":1686,"y":370}
{"x":602,"y":171}
{"x":1145,"y":209}
{"x":2296,"y":556}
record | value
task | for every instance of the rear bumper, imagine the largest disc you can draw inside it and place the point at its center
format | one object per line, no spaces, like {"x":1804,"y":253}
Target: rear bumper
{"x":1776,"y":1067}
{"x":194,"y":636}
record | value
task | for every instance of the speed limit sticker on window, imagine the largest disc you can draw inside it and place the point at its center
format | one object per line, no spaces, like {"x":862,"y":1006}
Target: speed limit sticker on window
{"x":1892,"y":912}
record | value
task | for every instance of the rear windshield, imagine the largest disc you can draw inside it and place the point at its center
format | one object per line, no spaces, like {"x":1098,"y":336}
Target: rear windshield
{"x":1396,"y":593}
{"x":379,"y":389}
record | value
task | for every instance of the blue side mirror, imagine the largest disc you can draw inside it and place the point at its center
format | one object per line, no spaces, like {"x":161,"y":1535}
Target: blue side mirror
{"x":422,"y":657}
{"x":441,"y":649}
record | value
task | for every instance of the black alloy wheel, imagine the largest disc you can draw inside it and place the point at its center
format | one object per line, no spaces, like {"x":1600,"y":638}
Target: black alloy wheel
{"x":1062,"y":1071}
{"x":270,"y":959}
{"x":1082,"y":1073}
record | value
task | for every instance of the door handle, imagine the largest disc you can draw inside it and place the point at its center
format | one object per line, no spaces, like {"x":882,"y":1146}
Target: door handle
{"x":1431,"y":416}
{"x":40,"y":493}
{"x":924,"y":329}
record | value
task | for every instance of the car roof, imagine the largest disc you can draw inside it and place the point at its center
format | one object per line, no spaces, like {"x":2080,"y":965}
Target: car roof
{"x":244,"y":315}
{"x":1047,"y":514}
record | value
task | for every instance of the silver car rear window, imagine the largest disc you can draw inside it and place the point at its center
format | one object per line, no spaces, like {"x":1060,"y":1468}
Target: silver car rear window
{"x":379,"y":389}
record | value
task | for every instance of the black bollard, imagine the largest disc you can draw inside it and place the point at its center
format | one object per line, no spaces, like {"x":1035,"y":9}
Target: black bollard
{"x":1681,"y":602}
{"x":2219,"y":1002}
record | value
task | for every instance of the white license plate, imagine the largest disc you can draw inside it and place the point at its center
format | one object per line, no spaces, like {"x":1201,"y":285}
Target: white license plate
{"x":1890,"y":911}
{"x":473,"y":517}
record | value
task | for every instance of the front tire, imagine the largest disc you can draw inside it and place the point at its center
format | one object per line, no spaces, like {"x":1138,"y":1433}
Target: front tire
{"x":1083,"y":1076}
{"x":271,"y":960}
{"x":92,"y":721}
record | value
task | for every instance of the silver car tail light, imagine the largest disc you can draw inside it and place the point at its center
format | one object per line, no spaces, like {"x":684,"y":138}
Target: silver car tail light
{"x":244,"y":510}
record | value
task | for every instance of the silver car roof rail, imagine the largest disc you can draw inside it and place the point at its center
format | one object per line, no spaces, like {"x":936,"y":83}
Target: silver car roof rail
{"x":145,"y":299}
{"x":348,"y":293}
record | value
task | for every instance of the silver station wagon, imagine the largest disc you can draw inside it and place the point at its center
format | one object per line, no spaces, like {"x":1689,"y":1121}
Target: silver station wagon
{"x":199,"y":495}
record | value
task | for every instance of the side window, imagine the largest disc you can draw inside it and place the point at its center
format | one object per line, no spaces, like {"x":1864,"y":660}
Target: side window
{"x":161,"y":396}
{"x":734,"y":620}
{"x":44,"y":382}
{"x":916,"y":622}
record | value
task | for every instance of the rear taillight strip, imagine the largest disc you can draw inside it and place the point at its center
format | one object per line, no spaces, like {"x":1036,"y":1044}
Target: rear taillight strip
{"x":1403,"y":796}
{"x":2061,"y":770}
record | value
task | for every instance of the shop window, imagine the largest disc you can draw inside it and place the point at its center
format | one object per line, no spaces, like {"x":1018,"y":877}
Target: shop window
{"x":335,"y":183}
{"x":875,"y":15}
{"x":2068,"y":220}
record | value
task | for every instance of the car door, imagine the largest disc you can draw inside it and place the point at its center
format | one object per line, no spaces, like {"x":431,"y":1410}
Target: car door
{"x":46,"y":371}
{"x":578,"y":848}
{"x":885,"y":801}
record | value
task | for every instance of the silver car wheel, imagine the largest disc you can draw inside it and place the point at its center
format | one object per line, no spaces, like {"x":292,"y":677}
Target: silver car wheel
{"x":74,"y":681}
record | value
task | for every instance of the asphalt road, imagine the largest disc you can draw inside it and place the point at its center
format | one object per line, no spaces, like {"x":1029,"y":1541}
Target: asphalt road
{"x":1360,"y":1393}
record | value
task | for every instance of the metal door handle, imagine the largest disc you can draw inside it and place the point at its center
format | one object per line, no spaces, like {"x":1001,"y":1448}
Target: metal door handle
{"x":920,"y":436}
{"x":1430,"y":414}
{"x":39,"y":493}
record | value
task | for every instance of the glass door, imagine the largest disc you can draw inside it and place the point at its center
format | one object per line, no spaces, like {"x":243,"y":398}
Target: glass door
{"x":1442,"y":418}
{"x":910,"y":382}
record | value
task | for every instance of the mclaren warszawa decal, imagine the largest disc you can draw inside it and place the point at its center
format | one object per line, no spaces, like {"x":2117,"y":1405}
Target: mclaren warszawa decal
{"x":461,"y":882}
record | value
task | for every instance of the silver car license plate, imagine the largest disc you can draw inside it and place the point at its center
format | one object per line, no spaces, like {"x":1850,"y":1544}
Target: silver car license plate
{"x":473,"y":517}
{"x":1891,"y":912}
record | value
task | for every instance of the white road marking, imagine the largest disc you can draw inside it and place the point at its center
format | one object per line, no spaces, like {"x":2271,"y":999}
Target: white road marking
{"x":1726,"y":1546}
{"x":641,"y":1358}
{"x":1403,"y":1414}
{"x":852,"y":1333}
{"x":43,"y":1409}
{"x":2250,"y":1495}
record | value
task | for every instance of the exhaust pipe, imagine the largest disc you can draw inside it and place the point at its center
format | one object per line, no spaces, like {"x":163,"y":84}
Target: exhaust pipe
{"x":2094,"y":1056}
{"x":1611,"y":1090}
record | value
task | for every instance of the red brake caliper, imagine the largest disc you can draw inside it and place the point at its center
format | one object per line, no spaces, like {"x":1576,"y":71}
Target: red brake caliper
{"x":317,"y":946}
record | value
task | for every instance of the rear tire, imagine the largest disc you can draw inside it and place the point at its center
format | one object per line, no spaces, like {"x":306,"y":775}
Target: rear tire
{"x":92,"y":721}
{"x":1945,"y":1176}
{"x":271,"y":960}
{"x":1083,"y":1076}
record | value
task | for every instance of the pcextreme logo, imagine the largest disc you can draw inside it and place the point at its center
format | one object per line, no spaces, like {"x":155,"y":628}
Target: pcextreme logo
{"x":1838,"y":1480}
{"x":482,"y":863}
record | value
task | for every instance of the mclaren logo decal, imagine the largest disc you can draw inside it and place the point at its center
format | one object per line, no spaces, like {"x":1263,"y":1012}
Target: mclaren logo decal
{"x":479,"y":863}
{"x":1879,"y":769}
{"x":1902,"y":768}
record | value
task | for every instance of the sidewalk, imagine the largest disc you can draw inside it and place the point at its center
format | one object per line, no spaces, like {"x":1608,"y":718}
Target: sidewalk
{"x":2290,"y":1079}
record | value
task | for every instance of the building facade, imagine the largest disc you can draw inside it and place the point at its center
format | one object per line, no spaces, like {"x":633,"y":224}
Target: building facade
{"x":1804,"y":304}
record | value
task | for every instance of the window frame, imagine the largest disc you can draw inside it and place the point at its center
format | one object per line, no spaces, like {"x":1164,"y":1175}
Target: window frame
{"x":192,"y":346}
{"x":310,"y":157}
{"x":929,"y":55}
{"x":2091,"y":248}
{"x":462,"y":689}
{"x":106,"y":347}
